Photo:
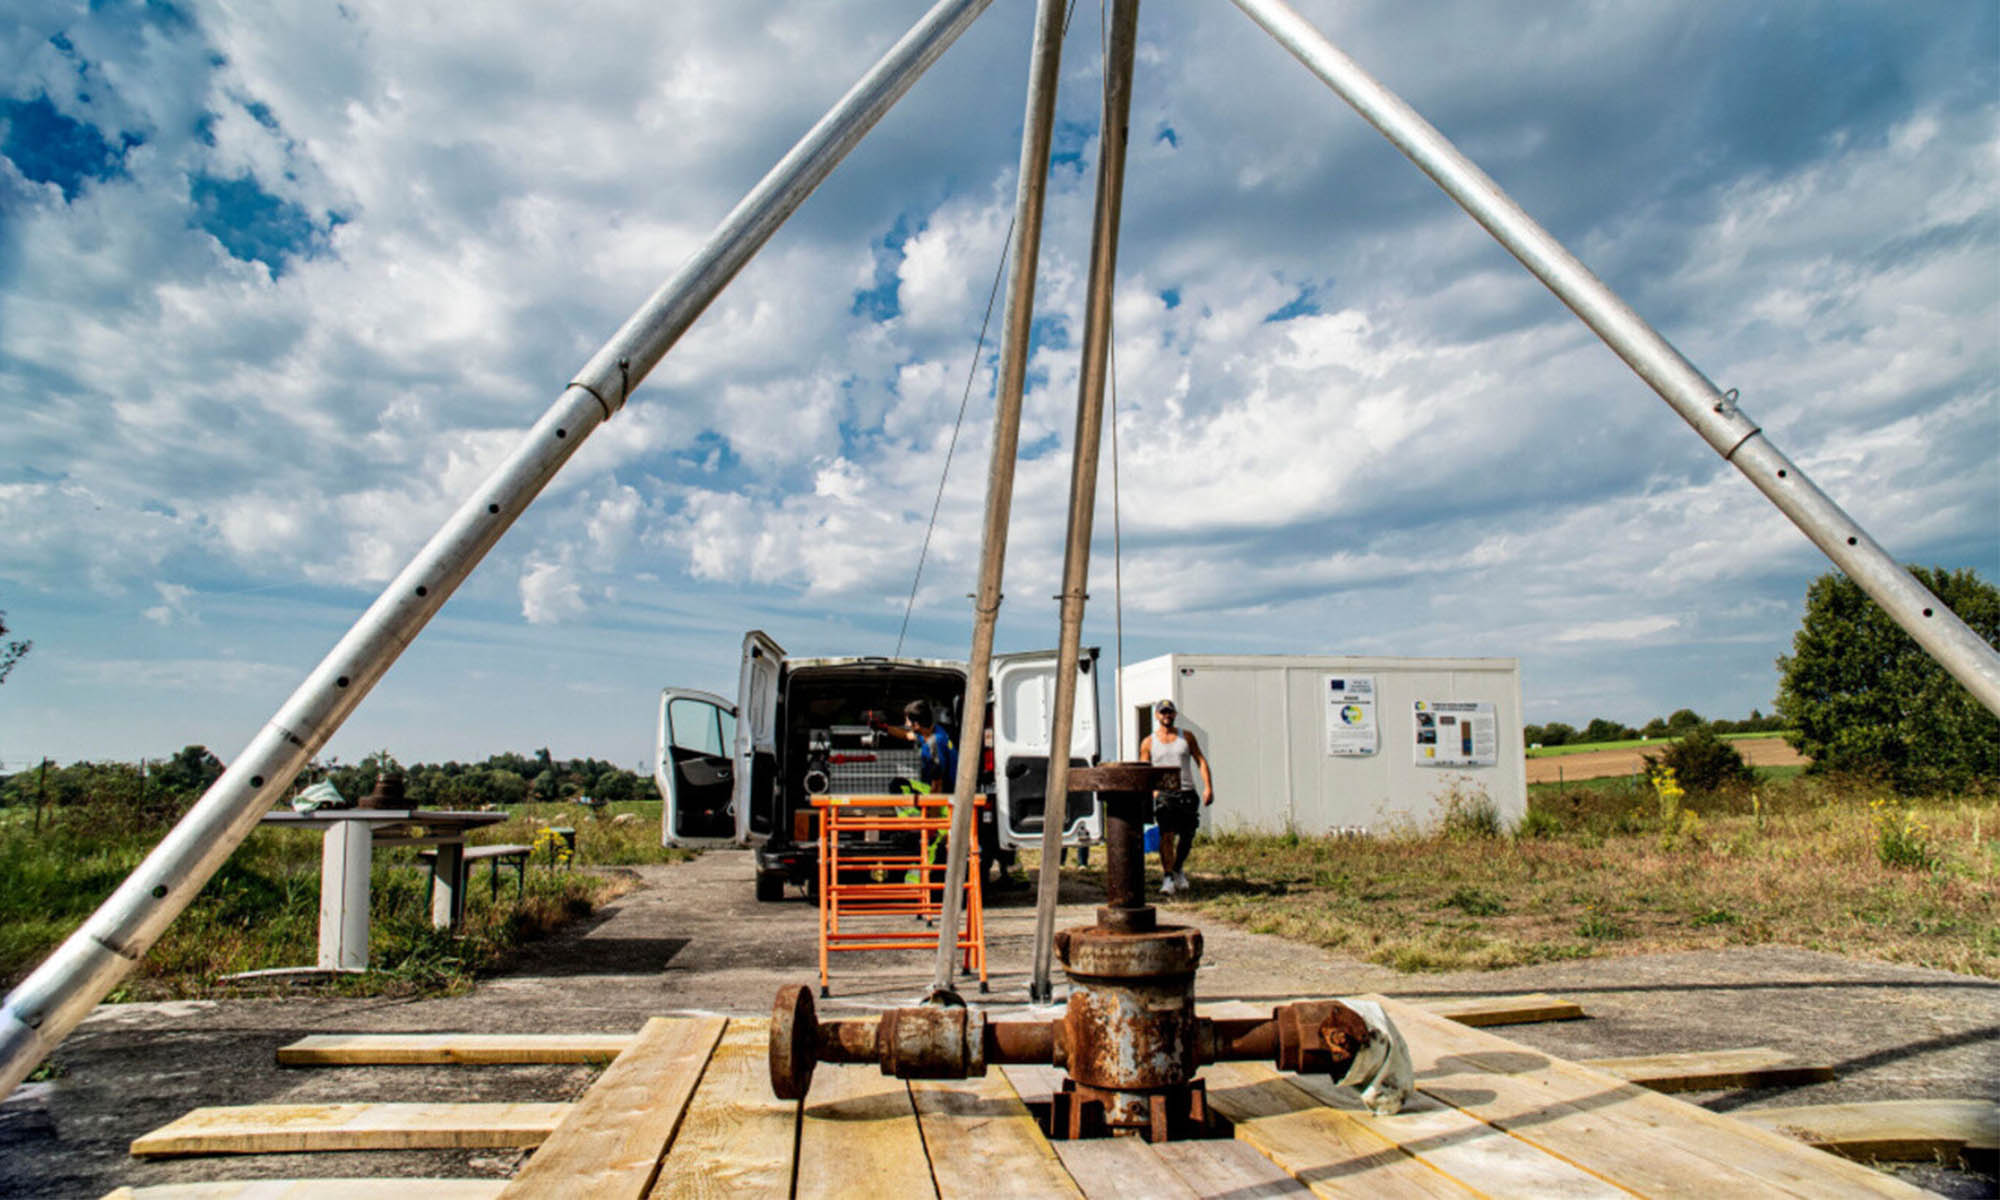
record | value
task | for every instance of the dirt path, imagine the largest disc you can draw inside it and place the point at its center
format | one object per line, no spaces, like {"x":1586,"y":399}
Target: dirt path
{"x":692,"y":939}
{"x":1598,"y":764}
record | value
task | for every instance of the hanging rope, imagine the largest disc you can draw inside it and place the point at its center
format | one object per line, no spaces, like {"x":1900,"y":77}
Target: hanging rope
{"x":971,"y":372}
{"x":971,"y":375}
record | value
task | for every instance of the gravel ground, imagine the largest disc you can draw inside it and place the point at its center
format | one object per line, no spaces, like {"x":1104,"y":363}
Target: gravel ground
{"x":692,"y":939}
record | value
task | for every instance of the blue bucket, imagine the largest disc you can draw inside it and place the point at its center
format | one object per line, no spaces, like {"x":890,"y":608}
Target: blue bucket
{"x":1152,"y":839}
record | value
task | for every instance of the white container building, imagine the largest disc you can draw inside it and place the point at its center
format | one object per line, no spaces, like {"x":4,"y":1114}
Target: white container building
{"x":1329,"y":743}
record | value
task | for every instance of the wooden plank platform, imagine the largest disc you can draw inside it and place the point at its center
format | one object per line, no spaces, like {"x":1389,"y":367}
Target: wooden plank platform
{"x":1900,"y":1130}
{"x":1506,"y":1010}
{"x":287,"y":1128}
{"x":610,"y":1144}
{"x":1707,"y":1070}
{"x":421,"y":1049}
{"x":687,"y":1110}
{"x":317,"y":1189}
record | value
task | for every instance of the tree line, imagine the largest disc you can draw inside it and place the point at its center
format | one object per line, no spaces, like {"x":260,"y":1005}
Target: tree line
{"x":155,"y":789}
{"x":1679,"y":723}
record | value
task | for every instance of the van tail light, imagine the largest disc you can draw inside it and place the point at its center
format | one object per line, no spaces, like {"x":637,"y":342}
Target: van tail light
{"x":986,"y":760}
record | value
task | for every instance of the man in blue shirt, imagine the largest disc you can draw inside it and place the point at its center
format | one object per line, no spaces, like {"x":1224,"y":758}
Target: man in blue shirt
{"x":937,"y":758}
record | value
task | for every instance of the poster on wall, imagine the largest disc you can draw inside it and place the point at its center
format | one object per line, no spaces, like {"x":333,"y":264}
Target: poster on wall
{"x":1456,"y":733}
{"x":1350,"y":714}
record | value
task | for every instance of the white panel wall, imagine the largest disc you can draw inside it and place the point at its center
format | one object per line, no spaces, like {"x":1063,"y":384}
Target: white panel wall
{"x":1261,"y":721}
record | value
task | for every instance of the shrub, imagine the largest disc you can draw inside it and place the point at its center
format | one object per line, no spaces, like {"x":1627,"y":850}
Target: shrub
{"x":1702,"y":762}
{"x":1861,"y":696}
{"x":1900,"y":839}
{"x":1470,"y":813}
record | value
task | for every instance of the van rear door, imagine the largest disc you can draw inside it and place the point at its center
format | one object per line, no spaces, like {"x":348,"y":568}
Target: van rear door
{"x":756,"y":750}
{"x":695,"y":770}
{"x":1024,"y":703}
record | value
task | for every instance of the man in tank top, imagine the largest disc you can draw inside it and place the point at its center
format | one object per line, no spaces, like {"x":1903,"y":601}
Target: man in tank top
{"x":1176,"y":810}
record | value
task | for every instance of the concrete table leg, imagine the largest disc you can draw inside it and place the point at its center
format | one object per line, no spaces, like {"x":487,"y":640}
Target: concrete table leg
{"x":448,"y":886}
{"x":346,"y":855}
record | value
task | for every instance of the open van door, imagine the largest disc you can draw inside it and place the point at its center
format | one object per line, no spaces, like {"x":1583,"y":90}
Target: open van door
{"x":1024,"y":703}
{"x":756,"y":750}
{"x":695,"y":769}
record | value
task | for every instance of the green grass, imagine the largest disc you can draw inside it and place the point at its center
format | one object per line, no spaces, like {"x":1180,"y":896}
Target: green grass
{"x":261,"y":909}
{"x":1634,"y":743}
{"x":1812,"y":861}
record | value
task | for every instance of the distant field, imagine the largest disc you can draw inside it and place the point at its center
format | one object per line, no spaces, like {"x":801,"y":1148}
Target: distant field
{"x":1628,"y":758}
{"x":1649,"y":743}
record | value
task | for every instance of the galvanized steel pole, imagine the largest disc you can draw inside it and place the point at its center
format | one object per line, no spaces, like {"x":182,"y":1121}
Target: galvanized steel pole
{"x":50,"y":1002}
{"x":1713,"y":414}
{"x":1083,"y":470}
{"x":1037,"y":134}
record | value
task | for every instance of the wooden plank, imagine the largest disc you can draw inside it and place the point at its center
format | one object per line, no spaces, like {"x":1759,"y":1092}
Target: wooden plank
{"x":1706,"y":1070}
{"x":610,"y":1145}
{"x":1901,"y":1130}
{"x":858,"y":1136}
{"x":1121,"y":1169}
{"x":289,"y":1128}
{"x":983,"y":1141}
{"x":1464,"y":1147}
{"x":317,"y":1189}
{"x":1325,"y":1149}
{"x":408,"y":1049}
{"x":737,"y":1138}
{"x":1506,"y":1010}
{"x":1640,"y":1140}
{"x":1216,"y":1167}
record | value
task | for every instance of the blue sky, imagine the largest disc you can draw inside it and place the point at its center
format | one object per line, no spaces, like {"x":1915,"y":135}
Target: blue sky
{"x":279,"y":284}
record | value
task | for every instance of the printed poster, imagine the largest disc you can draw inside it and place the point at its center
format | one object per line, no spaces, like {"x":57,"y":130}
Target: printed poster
{"x":1456,"y":733}
{"x":1350,"y":714}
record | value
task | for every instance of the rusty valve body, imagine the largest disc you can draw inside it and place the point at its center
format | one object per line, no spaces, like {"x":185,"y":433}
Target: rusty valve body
{"x":1130,"y":1039}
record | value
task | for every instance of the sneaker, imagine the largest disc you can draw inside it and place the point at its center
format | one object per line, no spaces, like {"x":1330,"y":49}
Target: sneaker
{"x":1167,"y":886}
{"x":1181,"y":883}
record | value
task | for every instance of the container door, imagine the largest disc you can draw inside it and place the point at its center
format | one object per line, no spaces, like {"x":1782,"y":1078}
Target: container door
{"x":1024,"y":703}
{"x":695,"y":769}
{"x":756,"y":748}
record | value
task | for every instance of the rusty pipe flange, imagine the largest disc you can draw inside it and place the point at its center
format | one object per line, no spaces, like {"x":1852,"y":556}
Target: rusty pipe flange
{"x":794,"y":1042}
{"x":1318,"y":1036}
{"x":932,"y":1042}
{"x":1166,"y":951}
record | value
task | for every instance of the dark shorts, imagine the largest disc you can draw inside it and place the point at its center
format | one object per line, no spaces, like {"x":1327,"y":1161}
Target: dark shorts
{"x":1177,"y":812}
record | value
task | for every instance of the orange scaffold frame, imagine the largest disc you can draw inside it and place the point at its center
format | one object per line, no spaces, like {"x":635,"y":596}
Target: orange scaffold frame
{"x":871,"y":913}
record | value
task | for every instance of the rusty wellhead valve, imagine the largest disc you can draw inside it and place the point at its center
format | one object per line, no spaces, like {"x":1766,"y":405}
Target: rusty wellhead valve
{"x":1130,"y":1039}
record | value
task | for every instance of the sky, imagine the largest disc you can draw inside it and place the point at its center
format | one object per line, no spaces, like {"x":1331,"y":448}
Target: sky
{"x":281,"y":283}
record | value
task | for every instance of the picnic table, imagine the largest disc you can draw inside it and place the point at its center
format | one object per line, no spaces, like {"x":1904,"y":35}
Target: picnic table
{"x":347,"y":855}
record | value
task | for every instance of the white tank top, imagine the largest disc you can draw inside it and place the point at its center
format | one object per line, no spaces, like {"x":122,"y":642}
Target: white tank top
{"x":1173,"y":754}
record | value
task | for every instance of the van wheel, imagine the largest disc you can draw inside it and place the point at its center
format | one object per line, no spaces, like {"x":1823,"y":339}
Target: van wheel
{"x":770,"y":885}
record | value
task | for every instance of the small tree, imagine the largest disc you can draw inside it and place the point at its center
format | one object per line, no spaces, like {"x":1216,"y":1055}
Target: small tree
{"x":1703,"y":762}
{"x":1602,"y":730}
{"x":1683,"y":721}
{"x":1860,"y":695}
{"x":1555,"y":733}
{"x":10,"y":652}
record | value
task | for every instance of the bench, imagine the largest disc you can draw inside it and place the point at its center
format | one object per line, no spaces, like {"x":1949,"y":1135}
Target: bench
{"x":513,"y":855}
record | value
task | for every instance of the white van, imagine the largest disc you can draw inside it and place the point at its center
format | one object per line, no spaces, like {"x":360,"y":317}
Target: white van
{"x":736,"y":774}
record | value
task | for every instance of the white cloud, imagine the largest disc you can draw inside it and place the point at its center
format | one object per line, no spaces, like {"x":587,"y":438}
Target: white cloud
{"x":550,"y":593}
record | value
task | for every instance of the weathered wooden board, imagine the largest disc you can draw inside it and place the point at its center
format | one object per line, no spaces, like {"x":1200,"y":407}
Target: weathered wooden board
{"x":1121,"y":1169}
{"x":409,"y":1049}
{"x":1325,"y":1149}
{"x":982,"y":1141}
{"x":1641,"y":1140}
{"x":1463,"y":1146}
{"x":737,"y":1139}
{"x":1506,"y":1010}
{"x":1218,"y":1167}
{"x":1705,"y":1070}
{"x":610,"y":1145}
{"x":1900,"y":1130}
{"x":858,"y":1136}
{"x":317,"y":1189}
{"x":287,"y":1128}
